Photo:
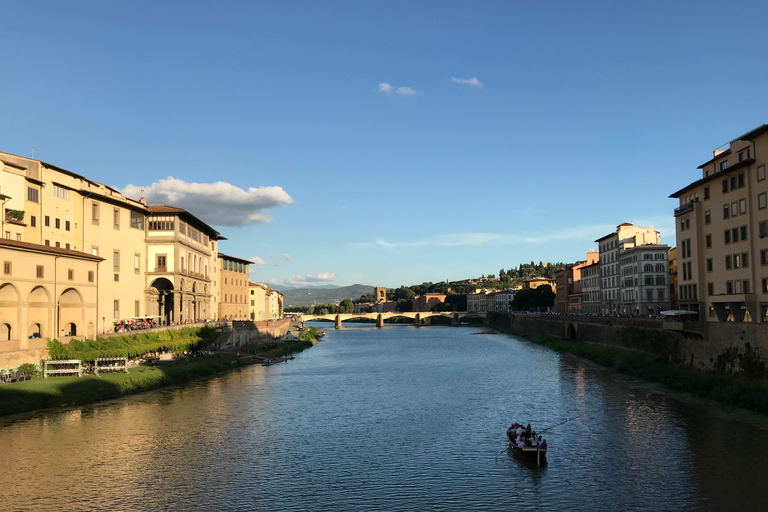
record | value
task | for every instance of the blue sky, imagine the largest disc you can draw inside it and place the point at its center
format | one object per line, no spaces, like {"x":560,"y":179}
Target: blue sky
{"x":387,"y":143}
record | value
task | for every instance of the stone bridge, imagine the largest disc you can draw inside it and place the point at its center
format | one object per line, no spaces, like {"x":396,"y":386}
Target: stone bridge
{"x":380,"y":317}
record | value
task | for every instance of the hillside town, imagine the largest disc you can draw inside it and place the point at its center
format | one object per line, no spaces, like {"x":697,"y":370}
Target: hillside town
{"x":81,"y":259}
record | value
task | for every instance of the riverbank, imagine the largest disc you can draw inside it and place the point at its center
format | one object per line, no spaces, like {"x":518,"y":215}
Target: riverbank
{"x":721,"y":387}
{"x":40,"y":393}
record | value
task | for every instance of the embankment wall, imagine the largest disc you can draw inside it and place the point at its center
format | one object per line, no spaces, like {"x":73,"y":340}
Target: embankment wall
{"x":737,"y":348}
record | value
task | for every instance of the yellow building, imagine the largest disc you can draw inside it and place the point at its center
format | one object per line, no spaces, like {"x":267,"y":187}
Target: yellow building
{"x":46,"y":205}
{"x":722,"y":227}
{"x":233,"y":287}
{"x":181,"y":258}
{"x":264,"y":303}
{"x":46,"y":292}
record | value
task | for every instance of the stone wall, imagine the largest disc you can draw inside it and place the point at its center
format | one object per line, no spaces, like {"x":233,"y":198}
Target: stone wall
{"x":737,"y":348}
{"x":245,"y":333}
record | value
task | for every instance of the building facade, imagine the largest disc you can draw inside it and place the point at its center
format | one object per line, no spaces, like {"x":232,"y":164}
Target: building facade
{"x":590,"y":288}
{"x":427,"y":302}
{"x":611,"y":245}
{"x":722,"y":234}
{"x":644,"y":272}
{"x":234,"y":288}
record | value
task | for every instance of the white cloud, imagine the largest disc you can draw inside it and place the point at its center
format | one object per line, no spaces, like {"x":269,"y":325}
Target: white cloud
{"x":259,"y":261}
{"x":272,"y":281}
{"x":217,"y":203}
{"x":299,"y":280}
{"x":402,"y":91}
{"x":287,"y":256}
{"x":273,"y":255}
{"x":472,"y":82}
{"x":587,"y":232}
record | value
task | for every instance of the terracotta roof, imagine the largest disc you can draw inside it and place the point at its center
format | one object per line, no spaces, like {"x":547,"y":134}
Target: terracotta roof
{"x":46,"y":248}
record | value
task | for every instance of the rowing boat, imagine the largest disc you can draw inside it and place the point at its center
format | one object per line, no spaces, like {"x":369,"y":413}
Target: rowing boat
{"x":528,"y":452}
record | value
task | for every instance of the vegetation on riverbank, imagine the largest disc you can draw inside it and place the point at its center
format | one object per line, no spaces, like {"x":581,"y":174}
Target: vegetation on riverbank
{"x":722,"y":387}
{"x":134,"y":345}
{"x":40,"y":393}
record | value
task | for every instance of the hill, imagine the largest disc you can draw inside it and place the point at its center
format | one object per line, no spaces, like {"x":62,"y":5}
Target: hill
{"x":311,"y":294}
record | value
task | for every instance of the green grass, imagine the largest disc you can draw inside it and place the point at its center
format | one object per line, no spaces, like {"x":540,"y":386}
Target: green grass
{"x":719,"y":386}
{"x":40,"y":393}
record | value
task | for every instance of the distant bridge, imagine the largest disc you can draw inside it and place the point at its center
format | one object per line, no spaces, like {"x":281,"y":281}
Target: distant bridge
{"x":417,"y":317}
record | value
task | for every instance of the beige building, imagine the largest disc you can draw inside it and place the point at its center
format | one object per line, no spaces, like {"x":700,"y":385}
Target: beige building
{"x":46,"y":205}
{"x":234,"y":290}
{"x":264,"y":303}
{"x":46,"y":292}
{"x":611,"y":245}
{"x":722,"y":234}
{"x":181,"y":253}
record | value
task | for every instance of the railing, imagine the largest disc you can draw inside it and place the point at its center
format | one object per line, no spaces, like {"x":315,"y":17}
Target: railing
{"x":63,"y":367}
{"x":687,"y":207}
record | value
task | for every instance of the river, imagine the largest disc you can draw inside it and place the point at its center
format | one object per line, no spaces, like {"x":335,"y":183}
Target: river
{"x":392,"y":419}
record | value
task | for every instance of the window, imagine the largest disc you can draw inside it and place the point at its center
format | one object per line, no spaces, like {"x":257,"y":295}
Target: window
{"x":726,"y":211}
{"x":743,"y":232}
{"x":58,"y":244}
{"x":47,"y":221}
{"x":745,"y":260}
{"x":136,"y":310}
{"x":160,"y":264}
{"x":661,"y":280}
{"x":733,"y":182}
{"x":60,"y":192}
{"x":66,"y":246}
{"x":116,"y":308}
{"x":7,"y":268}
{"x":117,"y":278}
{"x":737,"y":261}
{"x":116,"y":218}
{"x":725,"y":185}
{"x":761,"y":200}
{"x":742,"y":206}
{"x":18,"y":238}
{"x":707,"y":217}
{"x":71,"y":274}
{"x":58,"y":224}
{"x":735,"y":234}
{"x":66,"y":225}
{"x":7,"y":235}
{"x":729,"y":287}
{"x":737,"y":287}
{"x":649,"y":295}
{"x":709,"y":264}
{"x":706,"y":193}
{"x":728,"y":262}
{"x":710,"y":288}
{"x":94,"y":250}
{"x":708,"y":240}
{"x":734,"y":209}
{"x":763,"y":229}
{"x":764,"y":257}
{"x":32,"y":194}
{"x":740,"y":179}
{"x":95,"y":213}
{"x":741,"y":156}
{"x":137,"y":221}
{"x":660,"y":292}
{"x":33,"y":221}
{"x":761,"y":173}
{"x":660,"y":267}
{"x":40,"y":271}
{"x":90,"y":276}
{"x":136,"y":263}
{"x":727,"y":236}
{"x":48,"y":242}
{"x":723,"y":165}
{"x":116,"y":260}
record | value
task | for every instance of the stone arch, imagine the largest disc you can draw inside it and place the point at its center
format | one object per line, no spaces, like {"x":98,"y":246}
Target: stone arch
{"x":5,"y":331}
{"x":40,"y":295}
{"x":35,"y":330}
{"x":164,"y":299}
{"x":570,"y":331}
{"x":70,"y":297}
{"x":9,"y":293}
{"x":70,"y":311}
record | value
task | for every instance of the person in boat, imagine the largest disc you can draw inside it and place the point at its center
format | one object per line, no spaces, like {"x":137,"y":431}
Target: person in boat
{"x":534,"y":439}
{"x":520,"y":442}
{"x":510,"y":433}
{"x":543,"y":445}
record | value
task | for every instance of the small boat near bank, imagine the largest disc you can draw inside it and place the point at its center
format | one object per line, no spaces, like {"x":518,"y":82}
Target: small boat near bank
{"x":270,"y":362}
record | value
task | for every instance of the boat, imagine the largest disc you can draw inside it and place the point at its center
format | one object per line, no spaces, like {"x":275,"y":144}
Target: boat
{"x":528,"y":452}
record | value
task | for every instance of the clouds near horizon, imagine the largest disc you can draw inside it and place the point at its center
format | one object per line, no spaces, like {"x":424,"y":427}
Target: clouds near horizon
{"x":218,"y":203}
{"x":400,"y":91}
{"x":309,"y":279}
{"x":472,"y":82}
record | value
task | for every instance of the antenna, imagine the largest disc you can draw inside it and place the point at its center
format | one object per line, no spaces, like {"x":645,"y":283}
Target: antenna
{"x":33,"y":153}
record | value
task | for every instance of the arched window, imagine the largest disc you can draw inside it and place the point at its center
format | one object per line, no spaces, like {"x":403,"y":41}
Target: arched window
{"x":5,"y":332}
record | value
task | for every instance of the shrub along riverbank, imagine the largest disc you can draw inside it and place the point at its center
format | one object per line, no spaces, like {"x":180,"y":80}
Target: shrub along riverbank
{"x":722,"y":387}
{"x":40,"y":393}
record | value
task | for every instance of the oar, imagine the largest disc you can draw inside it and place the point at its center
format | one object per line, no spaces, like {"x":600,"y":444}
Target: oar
{"x":566,"y":421}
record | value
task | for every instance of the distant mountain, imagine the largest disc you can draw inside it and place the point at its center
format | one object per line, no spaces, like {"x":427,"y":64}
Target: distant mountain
{"x":311,"y":294}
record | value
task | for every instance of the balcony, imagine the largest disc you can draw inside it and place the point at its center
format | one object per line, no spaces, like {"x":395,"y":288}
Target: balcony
{"x":687,"y":207}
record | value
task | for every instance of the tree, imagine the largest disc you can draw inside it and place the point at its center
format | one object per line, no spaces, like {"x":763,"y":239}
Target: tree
{"x":347,"y":306}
